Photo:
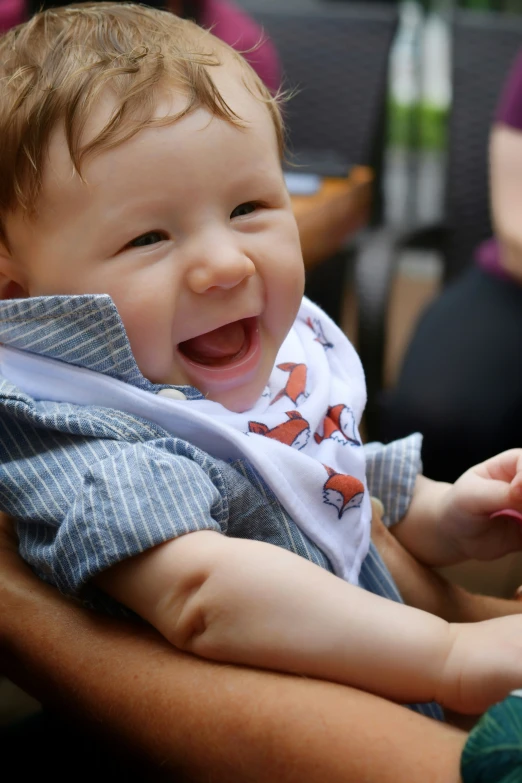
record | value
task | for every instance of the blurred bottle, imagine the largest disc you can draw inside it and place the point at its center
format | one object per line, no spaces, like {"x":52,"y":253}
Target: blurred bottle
{"x":435,"y":88}
{"x":405,"y":84}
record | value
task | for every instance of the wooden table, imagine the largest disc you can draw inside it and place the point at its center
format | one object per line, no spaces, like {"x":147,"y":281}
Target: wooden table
{"x":329,"y":217}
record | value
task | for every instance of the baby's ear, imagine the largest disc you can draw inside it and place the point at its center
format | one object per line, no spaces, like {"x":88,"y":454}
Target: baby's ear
{"x":12,"y":281}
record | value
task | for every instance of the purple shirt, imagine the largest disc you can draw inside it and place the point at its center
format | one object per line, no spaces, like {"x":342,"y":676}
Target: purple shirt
{"x":227,"y":21}
{"x":509,"y":112}
{"x":236,"y":28}
{"x":11,"y":14}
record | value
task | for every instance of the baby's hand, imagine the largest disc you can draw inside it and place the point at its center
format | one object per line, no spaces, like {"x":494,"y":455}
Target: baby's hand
{"x":484,"y":664}
{"x":467,"y":508}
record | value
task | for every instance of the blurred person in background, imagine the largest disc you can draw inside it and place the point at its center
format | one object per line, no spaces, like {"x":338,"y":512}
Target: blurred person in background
{"x":12,"y":12}
{"x":227,"y":20}
{"x":461,"y":380}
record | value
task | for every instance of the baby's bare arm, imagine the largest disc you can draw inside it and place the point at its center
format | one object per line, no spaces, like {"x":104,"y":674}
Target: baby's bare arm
{"x":423,"y":588}
{"x":247,"y":602}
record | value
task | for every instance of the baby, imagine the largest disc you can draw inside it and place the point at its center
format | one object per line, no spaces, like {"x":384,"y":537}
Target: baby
{"x":178,"y":427}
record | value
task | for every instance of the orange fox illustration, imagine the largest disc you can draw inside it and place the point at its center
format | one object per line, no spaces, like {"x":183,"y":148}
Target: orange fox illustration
{"x":317,"y":328}
{"x":294,"y":432}
{"x":339,"y":425}
{"x":295,"y":388}
{"x":342,"y":491}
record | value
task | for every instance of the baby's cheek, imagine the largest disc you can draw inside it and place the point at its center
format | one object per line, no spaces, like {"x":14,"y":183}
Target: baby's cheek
{"x":290,"y":294}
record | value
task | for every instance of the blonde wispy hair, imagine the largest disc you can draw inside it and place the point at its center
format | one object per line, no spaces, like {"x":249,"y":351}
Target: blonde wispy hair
{"x":55,"y":67}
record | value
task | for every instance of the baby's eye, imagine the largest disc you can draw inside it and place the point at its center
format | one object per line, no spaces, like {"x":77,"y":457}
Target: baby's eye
{"x":244,"y":209}
{"x":150,"y":238}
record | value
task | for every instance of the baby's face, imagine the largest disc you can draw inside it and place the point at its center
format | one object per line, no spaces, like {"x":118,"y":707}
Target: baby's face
{"x":189,"y":228}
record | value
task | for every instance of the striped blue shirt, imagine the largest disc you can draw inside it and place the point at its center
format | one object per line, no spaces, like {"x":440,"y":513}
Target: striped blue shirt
{"x":92,"y":486}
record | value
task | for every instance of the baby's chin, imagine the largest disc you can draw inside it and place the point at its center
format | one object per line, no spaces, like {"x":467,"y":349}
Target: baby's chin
{"x":238,"y":400}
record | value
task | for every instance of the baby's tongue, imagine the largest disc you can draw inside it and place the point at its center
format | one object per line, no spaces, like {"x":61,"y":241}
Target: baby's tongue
{"x":216,"y":346}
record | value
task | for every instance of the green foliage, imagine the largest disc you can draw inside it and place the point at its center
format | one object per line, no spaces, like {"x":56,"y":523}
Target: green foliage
{"x":479,"y":5}
{"x":504,"y":6}
{"x":507,"y":6}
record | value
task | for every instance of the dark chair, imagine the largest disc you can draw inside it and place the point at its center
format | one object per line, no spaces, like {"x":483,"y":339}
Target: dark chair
{"x":336,"y":56}
{"x":484,"y":45}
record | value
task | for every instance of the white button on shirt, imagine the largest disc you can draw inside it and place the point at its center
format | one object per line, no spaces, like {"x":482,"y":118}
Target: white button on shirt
{"x":172,"y":394}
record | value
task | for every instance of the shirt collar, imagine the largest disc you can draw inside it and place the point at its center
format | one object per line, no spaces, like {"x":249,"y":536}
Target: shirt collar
{"x":85,"y":330}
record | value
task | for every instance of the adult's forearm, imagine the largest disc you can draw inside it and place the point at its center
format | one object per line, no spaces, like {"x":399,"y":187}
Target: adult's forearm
{"x":227,"y":724}
{"x":223,"y":723}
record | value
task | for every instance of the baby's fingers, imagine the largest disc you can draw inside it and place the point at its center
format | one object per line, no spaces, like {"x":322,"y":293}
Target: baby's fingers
{"x":505,"y":466}
{"x":515,"y":489}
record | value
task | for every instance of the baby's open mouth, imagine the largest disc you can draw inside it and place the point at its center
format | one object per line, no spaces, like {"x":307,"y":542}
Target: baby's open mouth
{"x":220,"y":347}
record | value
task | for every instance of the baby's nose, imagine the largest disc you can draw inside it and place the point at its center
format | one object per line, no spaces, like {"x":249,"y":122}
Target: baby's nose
{"x":220,"y":271}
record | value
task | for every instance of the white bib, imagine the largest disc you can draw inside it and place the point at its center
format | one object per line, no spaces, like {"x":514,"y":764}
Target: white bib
{"x":301,"y":435}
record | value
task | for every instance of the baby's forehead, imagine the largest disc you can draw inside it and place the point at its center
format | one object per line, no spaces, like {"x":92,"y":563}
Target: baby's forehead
{"x":60,"y":174}
{"x":170,"y":106}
